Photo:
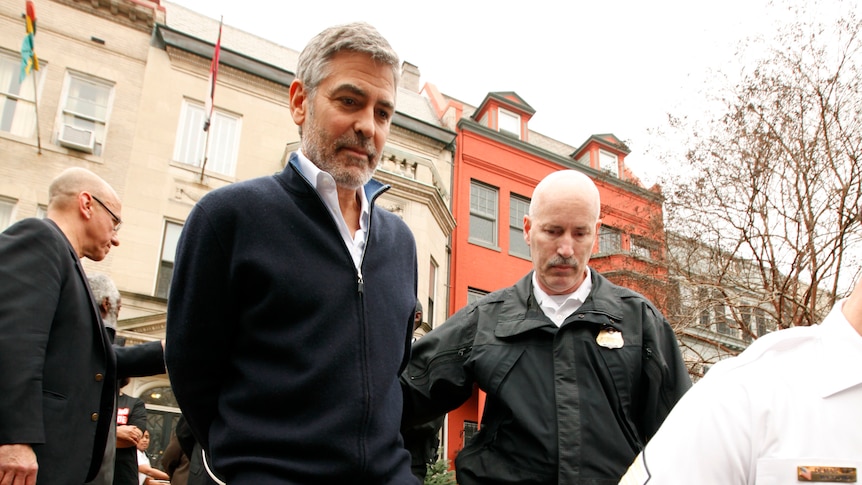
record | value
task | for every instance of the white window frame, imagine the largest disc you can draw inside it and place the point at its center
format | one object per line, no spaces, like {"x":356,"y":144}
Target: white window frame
{"x":433,"y":270}
{"x":641,"y":248}
{"x":17,"y":100}
{"x":170,"y":238}
{"x":609,"y":162}
{"x":508,"y":122}
{"x":482,"y":211}
{"x":610,"y":240}
{"x":7,"y":212}
{"x":519,"y":206}
{"x":96,"y":121}
{"x":474,"y":294}
{"x":224,"y":138}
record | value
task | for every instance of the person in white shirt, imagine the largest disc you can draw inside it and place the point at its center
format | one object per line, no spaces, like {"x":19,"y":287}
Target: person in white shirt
{"x":786,"y":410}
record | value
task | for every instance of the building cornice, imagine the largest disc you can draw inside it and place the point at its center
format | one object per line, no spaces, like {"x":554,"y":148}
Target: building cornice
{"x":165,"y":37}
{"x":415,"y":191}
{"x":467,"y":124}
{"x":138,"y":14}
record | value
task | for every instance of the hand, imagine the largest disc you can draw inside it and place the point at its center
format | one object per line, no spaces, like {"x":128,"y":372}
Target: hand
{"x":128,"y":436}
{"x":18,"y":465}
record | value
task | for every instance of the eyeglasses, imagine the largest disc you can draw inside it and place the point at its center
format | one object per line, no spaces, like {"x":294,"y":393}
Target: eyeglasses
{"x":117,"y":221}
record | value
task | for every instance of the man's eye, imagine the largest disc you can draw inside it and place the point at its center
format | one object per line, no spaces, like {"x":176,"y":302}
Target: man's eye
{"x":348,"y":101}
{"x":384,"y":114}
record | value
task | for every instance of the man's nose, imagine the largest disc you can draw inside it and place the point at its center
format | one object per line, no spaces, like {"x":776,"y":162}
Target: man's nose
{"x":365,"y":123}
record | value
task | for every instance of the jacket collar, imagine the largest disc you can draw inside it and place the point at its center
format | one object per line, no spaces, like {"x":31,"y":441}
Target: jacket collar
{"x":520,"y":312}
{"x":372,"y":189}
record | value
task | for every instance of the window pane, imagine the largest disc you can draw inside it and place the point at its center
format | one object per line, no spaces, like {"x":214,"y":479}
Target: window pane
{"x":518,"y":208}
{"x":509,"y":122}
{"x":609,"y":240}
{"x":608,"y":162}
{"x":86,"y":109}
{"x":88,"y":99}
{"x":166,"y":266}
{"x":482,"y":229}
{"x":223,"y":140}
{"x":483,"y":213}
{"x":17,"y":110}
{"x":6,"y":213}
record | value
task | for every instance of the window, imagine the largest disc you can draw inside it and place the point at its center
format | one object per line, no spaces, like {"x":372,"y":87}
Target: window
{"x":483,"y":214}
{"x":703,"y":301}
{"x":6,"y":207}
{"x":474,"y":295}
{"x":608,"y":162}
{"x":641,"y":248}
{"x":609,"y":240}
{"x":223,"y":139}
{"x":42,"y":211}
{"x":166,"y":266}
{"x":17,"y":106}
{"x":745,"y":323}
{"x":508,"y":122}
{"x":721,"y":325}
{"x":432,"y":292}
{"x":760,"y":320}
{"x":86,"y":108}
{"x":518,"y":208}
{"x":470,"y":429}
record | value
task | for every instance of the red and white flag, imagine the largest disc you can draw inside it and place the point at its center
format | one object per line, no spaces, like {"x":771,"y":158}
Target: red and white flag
{"x":212,"y":81}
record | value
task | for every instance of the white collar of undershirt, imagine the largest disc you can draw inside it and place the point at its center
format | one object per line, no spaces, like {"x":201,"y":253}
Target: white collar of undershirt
{"x":559,"y":307}
{"x":325,"y":186}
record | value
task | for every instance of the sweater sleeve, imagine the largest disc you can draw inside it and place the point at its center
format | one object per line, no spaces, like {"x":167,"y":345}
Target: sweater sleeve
{"x":200,"y":322}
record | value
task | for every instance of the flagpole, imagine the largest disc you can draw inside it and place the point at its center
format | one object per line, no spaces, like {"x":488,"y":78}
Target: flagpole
{"x":206,"y":152}
{"x":36,"y":107}
{"x":209,"y":104}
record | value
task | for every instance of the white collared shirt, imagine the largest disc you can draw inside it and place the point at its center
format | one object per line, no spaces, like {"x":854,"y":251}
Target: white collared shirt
{"x":789,"y":405}
{"x":325,"y":185}
{"x":559,"y":307}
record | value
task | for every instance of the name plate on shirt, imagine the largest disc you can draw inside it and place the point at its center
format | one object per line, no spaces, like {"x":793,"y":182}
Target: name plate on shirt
{"x":826,"y":474}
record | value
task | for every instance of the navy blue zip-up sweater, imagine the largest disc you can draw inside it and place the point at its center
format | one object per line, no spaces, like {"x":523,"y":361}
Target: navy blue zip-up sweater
{"x":283,"y":358}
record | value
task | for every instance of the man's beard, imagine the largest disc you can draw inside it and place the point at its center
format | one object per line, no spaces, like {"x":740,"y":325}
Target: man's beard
{"x":324,"y":156}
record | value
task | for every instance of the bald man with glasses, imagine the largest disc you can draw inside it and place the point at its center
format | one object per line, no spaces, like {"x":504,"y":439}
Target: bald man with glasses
{"x":59,"y":371}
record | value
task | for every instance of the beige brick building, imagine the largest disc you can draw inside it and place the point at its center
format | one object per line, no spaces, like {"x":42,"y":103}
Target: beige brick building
{"x":121,"y":92}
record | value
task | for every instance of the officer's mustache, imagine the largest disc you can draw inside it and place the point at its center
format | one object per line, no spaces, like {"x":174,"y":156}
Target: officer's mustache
{"x":561,"y":261}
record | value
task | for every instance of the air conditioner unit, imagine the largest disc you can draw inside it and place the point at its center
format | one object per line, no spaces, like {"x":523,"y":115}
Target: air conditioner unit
{"x":77,"y":139}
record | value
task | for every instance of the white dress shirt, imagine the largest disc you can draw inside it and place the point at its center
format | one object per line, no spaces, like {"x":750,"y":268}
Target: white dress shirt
{"x":785,"y":411}
{"x":325,"y":185}
{"x":559,"y":307}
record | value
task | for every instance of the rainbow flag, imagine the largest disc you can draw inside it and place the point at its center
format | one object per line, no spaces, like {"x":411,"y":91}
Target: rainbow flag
{"x":29,"y":61}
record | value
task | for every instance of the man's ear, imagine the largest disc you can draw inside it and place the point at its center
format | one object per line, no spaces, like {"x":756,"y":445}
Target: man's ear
{"x":104,"y":306}
{"x":298,"y":102}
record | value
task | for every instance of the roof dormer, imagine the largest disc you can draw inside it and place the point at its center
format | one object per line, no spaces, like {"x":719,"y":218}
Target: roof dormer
{"x":505,"y":112}
{"x":605,"y":153}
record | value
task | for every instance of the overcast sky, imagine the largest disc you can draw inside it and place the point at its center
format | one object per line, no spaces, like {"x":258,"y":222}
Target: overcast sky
{"x":616,"y":66}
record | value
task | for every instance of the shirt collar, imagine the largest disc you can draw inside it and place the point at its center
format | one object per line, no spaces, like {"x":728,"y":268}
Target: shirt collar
{"x":842,"y":353}
{"x":324,"y":185}
{"x":552,"y":305}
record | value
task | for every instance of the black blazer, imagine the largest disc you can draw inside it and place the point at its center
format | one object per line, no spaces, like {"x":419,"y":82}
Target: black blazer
{"x":57,"y":365}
